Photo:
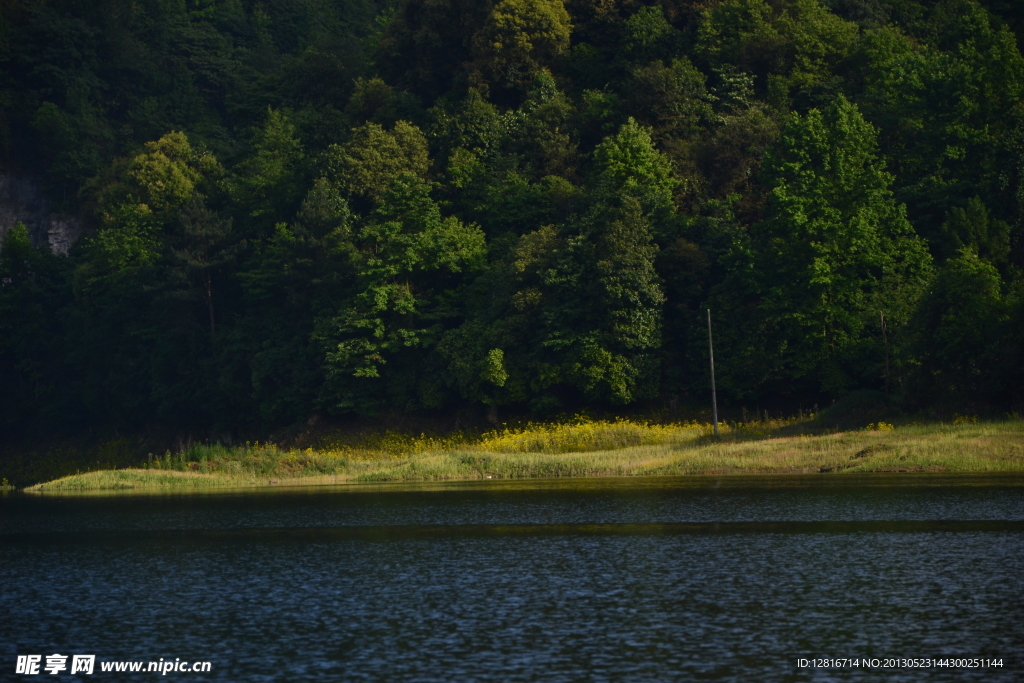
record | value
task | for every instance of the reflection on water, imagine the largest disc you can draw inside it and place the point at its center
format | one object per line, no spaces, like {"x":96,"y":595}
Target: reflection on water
{"x":618,"y":581}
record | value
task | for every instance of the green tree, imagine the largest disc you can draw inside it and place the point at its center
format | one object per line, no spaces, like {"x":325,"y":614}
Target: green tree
{"x":628,"y":165}
{"x":145,"y":200}
{"x":544,"y":132}
{"x":292,"y":284}
{"x":519,"y":38}
{"x":202,"y":246}
{"x":267,"y":182}
{"x":412,"y":262}
{"x":148,"y":283}
{"x":672,"y":100}
{"x":790,"y":44}
{"x":617,"y":346}
{"x":631,"y":299}
{"x":833,"y":250}
{"x":972,"y":227}
{"x":957,"y":333}
{"x":373,"y":158}
{"x":167,"y":174}
{"x":575,"y":310}
{"x":473,"y":124}
{"x":648,"y":36}
{"x":427,"y":46}
{"x":507,"y":314}
{"x":131,"y":237}
{"x":948,"y":109}
{"x":374,"y":100}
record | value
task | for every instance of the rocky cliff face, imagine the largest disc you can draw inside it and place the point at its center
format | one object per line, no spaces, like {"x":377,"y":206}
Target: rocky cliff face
{"x":22,"y":200}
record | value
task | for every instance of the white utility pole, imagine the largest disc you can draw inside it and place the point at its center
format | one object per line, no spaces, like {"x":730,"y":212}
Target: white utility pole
{"x":714,"y":400}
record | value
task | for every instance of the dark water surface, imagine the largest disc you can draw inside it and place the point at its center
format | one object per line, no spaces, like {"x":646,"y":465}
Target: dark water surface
{"x":731,"y":578}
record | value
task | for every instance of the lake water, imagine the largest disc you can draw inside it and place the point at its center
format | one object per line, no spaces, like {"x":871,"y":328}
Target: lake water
{"x":701,"y":578}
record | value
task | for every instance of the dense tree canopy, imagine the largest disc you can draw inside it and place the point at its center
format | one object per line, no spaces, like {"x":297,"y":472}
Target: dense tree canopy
{"x":299,"y":207}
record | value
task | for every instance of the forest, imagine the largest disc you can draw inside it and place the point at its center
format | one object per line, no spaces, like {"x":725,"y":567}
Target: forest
{"x":295,"y":208}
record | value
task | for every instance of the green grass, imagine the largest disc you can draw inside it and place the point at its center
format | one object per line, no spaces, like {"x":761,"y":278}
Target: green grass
{"x":581,"y":448}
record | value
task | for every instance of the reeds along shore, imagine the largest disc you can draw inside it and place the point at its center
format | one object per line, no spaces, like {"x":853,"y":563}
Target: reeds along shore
{"x":579,"y":448}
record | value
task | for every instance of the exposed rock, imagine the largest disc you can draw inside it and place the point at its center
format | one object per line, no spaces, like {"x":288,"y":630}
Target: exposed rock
{"x":22,"y":200}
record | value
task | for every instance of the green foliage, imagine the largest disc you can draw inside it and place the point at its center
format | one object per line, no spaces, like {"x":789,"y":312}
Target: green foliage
{"x":399,"y":306}
{"x":267,"y":182}
{"x":168,"y":173}
{"x":519,"y":37}
{"x":146,"y":196}
{"x":374,"y":100}
{"x":352,"y":206}
{"x":648,"y":35}
{"x":628,"y":165}
{"x":200,"y":247}
{"x":130,"y":237}
{"x":473,"y":124}
{"x":367,"y":164}
{"x":631,"y":299}
{"x":294,"y":282}
{"x":796,"y":42}
{"x":949,"y":109}
{"x":958,"y":329}
{"x":973,"y":228}
{"x":671,"y":99}
{"x":494,"y":368}
{"x":833,"y":250}
{"x":426,"y":46}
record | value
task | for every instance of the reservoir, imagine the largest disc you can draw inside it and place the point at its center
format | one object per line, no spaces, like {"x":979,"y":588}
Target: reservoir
{"x":655,"y":579}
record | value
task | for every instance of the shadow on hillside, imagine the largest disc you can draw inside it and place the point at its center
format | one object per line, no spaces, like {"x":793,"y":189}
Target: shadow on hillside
{"x":852,"y":412}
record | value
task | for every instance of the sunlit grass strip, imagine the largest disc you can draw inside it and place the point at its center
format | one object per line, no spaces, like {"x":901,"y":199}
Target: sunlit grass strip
{"x":684,"y":449}
{"x":119,"y":480}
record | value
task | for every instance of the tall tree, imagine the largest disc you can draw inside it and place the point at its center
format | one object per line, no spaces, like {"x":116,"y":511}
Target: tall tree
{"x":959,"y":335}
{"x":833,"y":250}
{"x":520,"y":37}
{"x":412,"y":262}
{"x":268,"y":182}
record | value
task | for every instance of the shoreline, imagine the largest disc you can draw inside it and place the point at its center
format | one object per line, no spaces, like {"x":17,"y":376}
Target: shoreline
{"x":973,"y":449}
{"x":1012,"y":478}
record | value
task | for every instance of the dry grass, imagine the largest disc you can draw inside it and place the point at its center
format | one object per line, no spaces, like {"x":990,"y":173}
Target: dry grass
{"x":583,"y":448}
{"x":985,"y":447}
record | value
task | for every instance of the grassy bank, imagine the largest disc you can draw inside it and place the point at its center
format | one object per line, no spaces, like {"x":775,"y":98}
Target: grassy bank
{"x":581,"y":448}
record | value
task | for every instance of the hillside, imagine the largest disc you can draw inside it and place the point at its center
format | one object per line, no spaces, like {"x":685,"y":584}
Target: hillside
{"x":293,"y":208}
